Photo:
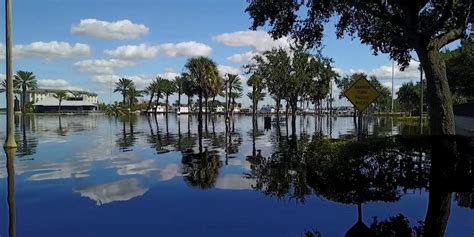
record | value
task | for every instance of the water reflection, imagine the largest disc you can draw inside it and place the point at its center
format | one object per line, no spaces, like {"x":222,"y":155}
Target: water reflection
{"x":379,"y":169}
{"x":10,"y":165}
{"x":135,"y":160}
{"x":122,"y":190}
{"x":201,"y":169}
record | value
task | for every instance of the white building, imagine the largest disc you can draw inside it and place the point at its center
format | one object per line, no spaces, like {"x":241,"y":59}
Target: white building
{"x":44,"y":100}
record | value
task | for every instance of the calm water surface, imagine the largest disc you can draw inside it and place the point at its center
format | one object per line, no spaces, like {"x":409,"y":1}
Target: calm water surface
{"x":100,"y":176}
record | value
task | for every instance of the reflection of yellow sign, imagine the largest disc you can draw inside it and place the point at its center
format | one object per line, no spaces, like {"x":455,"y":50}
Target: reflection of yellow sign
{"x":361,"y":94}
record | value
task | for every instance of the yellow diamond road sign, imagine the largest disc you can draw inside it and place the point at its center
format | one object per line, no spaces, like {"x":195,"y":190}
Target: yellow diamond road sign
{"x":361,"y":94}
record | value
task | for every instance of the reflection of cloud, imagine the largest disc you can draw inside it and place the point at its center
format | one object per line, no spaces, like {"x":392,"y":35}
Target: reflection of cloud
{"x":122,"y":190}
{"x":234,"y":182}
{"x":244,"y":164}
{"x":131,"y":167}
{"x":62,"y":171}
{"x":170,"y":171}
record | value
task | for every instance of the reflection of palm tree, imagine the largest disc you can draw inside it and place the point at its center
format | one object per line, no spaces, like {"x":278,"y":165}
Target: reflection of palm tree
{"x":60,"y":129}
{"x":128,"y":138}
{"x":27,"y":146}
{"x":201,"y":170}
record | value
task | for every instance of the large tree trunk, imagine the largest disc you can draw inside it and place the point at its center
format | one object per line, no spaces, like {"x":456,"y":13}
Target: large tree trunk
{"x":179,"y":102}
{"x":439,"y":97}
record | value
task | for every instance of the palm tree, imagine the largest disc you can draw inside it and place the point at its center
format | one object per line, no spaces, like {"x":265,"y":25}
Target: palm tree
{"x":202,"y":70}
{"x":215,"y":88}
{"x":157,"y":90}
{"x":234,"y":86}
{"x":25,"y":81}
{"x":179,"y":83}
{"x":189,"y":88}
{"x":151,"y":92}
{"x":132,"y":95}
{"x":168,"y":88}
{"x":122,"y":86}
{"x":256,"y":82}
{"x":60,"y":95}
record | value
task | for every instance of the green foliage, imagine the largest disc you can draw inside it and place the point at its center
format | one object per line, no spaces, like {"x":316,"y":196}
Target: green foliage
{"x":123,"y":86}
{"x":393,"y":27}
{"x":460,"y":70}
{"x":24,"y":81}
{"x":408,"y":96}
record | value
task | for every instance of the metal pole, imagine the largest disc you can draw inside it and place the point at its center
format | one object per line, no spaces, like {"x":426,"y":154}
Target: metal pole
{"x":393,"y":75}
{"x":10,"y":140}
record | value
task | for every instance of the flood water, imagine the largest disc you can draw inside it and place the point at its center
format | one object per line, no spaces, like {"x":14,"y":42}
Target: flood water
{"x":95,"y":175}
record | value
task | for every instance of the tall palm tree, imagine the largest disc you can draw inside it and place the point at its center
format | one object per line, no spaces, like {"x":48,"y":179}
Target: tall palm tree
{"x":179,"y":83}
{"x":25,"y":81}
{"x":168,"y":88}
{"x":60,"y":95}
{"x":157,"y":90}
{"x":122,"y":86}
{"x":189,"y":88}
{"x":202,"y":70}
{"x":132,"y":95}
{"x":256,"y":82}
{"x":215,"y":88}
{"x":151,"y":92}
{"x":234,"y":87}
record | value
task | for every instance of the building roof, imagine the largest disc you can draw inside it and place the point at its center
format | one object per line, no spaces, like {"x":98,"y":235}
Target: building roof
{"x":51,"y":101}
{"x":39,"y":90}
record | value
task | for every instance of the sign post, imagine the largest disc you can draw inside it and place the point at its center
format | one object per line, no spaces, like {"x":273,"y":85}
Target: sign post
{"x":361,"y":94}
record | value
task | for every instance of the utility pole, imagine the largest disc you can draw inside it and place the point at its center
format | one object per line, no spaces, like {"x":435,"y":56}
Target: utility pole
{"x":10,"y":141}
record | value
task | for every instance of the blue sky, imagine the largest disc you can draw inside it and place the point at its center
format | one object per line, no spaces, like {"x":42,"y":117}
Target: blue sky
{"x":89,"y":44}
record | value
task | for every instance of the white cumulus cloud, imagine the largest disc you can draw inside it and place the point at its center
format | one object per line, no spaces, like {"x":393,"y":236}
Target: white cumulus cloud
{"x":223,"y":70}
{"x":258,"y":41}
{"x":142,"y":51}
{"x":48,"y":50}
{"x":122,"y":29}
{"x":108,"y":81}
{"x":56,"y":84}
{"x":148,"y":51}
{"x":186,"y":49}
{"x":242,"y":57}
{"x":101,"y":66}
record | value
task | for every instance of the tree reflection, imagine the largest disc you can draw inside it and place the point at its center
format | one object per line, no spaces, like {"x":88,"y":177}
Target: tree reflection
{"x":160,"y":143}
{"x":377,"y":169}
{"x":27,"y":143}
{"x":200,"y":170}
{"x":127,"y":139}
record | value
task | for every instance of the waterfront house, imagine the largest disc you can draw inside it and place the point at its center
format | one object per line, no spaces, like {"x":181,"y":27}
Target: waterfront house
{"x":43,"y":100}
